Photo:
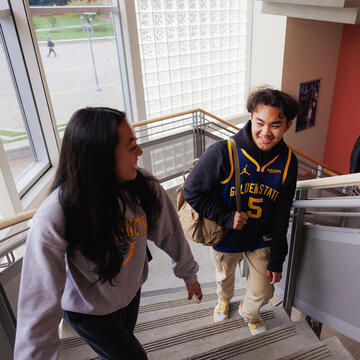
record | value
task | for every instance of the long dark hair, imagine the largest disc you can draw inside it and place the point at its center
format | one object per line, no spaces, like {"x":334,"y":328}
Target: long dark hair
{"x":93,"y":202}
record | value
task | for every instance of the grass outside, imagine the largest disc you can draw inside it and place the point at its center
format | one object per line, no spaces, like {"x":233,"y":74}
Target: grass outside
{"x":44,"y":22}
{"x":20,"y":135}
{"x":76,"y":33}
{"x":14,"y":140}
{"x":11,"y":133}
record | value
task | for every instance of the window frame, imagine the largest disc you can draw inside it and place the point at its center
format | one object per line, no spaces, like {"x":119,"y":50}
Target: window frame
{"x":28,"y":190}
{"x":130,"y":103}
{"x":126,"y":37}
{"x":24,"y":93}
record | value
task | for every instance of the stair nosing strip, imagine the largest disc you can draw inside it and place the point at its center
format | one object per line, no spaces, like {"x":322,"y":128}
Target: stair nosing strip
{"x":323,"y":357}
{"x":72,"y":342}
{"x":194,"y":334}
{"x":320,"y":348}
{"x":253,"y":344}
{"x":175,"y":303}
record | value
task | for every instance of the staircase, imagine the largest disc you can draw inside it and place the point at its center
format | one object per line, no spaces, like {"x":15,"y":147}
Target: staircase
{"x":172,"y":328}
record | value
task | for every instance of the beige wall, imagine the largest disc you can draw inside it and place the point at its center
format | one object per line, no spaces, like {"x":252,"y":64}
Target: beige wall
{"x":311,"y":52}
{"x":268,"y":38}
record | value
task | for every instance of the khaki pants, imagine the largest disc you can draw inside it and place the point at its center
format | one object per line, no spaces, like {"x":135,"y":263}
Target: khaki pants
{"x":259,"y":291}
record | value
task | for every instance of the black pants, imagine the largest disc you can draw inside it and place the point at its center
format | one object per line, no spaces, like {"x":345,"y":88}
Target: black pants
{"x":51,"y":50}
{"x":111,"y":336}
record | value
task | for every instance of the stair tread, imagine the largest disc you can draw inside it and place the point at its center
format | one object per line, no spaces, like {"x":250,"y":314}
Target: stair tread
{"x":76,"y":349}
{"x":287,"y":337}
{"x":180,"y":307}
{"x":166,"y":304}
{"x":190,"y":336}
{"x":175,"y":328}
{"x":196,"y":317}
{"x":329,"y":349}
{"x":163,"y":343}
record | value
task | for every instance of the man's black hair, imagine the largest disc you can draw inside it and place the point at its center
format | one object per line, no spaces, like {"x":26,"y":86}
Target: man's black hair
{"x":271,"y":97}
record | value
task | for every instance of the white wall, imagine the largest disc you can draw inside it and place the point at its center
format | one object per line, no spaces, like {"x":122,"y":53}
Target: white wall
{"x":268,"y":39}
{"x":311,"y":52}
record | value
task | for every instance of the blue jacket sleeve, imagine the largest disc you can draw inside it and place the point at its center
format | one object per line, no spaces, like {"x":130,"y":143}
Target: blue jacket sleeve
{"x":280,"y":221}
{"x":201,"y":188}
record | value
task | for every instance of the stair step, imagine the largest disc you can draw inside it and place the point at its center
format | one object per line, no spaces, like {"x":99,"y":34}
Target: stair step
{"x":329,"y":349}
{"x":269,"y":345}
{"x":183,"y":317}
{"x":176,"y":328}
{"x":184,"y":301}
{"x":176,"y":308}
{"x":195,"y":338}
{"x":192,"y":317}
{"x":155,"y":320}
{"x":76,"y":348}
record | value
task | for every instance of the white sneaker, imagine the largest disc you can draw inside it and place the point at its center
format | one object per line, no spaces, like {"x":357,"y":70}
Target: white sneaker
{"x":221,"y":311}
{"x":255,"y":328}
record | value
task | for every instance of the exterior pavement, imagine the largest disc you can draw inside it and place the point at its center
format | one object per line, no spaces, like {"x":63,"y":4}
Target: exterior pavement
{"x":71,"y":80}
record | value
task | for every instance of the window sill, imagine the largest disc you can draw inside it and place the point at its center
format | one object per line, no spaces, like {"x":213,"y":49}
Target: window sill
{"x":33,"y":198}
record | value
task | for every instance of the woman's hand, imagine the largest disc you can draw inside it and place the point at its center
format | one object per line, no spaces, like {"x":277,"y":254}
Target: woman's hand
{"x":194,"y":289}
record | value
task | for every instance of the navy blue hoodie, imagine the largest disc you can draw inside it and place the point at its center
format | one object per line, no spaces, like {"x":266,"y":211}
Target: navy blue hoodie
{"x":202,"y":190}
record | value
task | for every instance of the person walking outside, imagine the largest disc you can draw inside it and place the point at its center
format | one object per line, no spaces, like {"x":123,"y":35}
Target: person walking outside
{"x":51,"y":46}
{"x":86,"y":257}
{"x":268,"y":173}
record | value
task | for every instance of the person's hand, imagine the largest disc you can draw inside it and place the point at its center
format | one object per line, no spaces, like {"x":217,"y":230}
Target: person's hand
{"x":274,"y":277}
{"x":194,"y":289}
{"x":240,"y":219}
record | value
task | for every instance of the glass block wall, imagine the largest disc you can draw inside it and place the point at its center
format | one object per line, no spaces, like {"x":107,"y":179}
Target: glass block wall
{"x":193,"y":54}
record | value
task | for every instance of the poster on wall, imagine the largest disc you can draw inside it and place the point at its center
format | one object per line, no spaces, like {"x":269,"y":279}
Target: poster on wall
{"x":308,"y":100}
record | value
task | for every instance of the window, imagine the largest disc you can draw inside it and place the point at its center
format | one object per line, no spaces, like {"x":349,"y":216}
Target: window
{"x":13,"y":133}
{"x":20,"y":130}
{"x":193,"y":54}
{"x":79,"y":52}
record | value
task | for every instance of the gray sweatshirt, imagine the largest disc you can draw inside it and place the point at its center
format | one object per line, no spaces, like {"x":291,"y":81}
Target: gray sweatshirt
{"x":53,"y":280}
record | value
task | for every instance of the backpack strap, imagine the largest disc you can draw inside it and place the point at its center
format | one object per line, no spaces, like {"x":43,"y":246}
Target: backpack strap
{"x":237,"y":173}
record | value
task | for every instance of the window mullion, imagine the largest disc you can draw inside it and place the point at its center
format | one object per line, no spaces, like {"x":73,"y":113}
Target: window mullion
{"x":22,"y":87}
{"x":133,"y":62}
{"x":37,"y":81}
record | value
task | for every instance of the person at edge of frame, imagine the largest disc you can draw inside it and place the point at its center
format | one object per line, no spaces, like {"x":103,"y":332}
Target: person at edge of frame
{"x":268,"y":174}
{"x":85,"y":258}
{"x":355,"y":164}
{"x":355,"y":157}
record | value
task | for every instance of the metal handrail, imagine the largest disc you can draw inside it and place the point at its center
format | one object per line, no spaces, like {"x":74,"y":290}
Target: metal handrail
{"x":328,"y":170}
{"x":314,"y":183}
{"x":329,"y":182}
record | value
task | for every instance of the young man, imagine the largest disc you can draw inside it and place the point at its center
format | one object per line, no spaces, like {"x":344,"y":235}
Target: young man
{"x":268,"y":173}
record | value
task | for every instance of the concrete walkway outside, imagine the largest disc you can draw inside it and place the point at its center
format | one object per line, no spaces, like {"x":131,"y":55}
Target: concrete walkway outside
{"x":71,"y":81}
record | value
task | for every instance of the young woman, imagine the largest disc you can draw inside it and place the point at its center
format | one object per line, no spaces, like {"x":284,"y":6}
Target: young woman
{"x":86,"y":257}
